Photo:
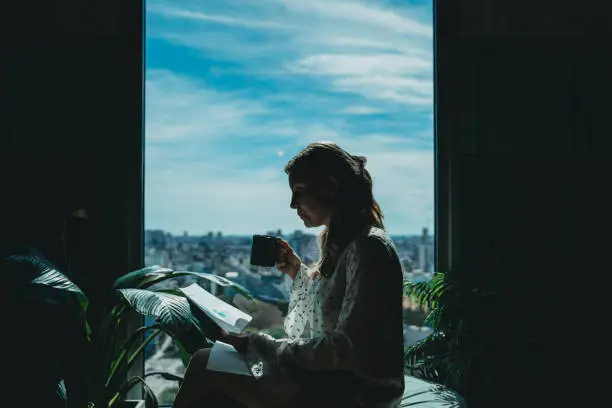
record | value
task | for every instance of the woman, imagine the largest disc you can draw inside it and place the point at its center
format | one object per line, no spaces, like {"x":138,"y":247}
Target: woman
{"x":344,"y":324}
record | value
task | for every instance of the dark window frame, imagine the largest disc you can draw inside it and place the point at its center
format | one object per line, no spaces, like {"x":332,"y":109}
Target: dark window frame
{"x":443,"y":163}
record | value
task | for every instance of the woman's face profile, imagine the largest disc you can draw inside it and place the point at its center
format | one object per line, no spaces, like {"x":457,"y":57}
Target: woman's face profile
{"x":310,"y":206}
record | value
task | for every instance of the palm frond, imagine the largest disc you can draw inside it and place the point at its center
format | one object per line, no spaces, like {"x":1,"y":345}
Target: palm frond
{"x":419,"y":292}
{"x":432,"y":344}
{"x":456,"y":310}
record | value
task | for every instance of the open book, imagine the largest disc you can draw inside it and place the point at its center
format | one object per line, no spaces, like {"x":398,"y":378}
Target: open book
{"x":223,"y":356}
{"x":226,"y":316}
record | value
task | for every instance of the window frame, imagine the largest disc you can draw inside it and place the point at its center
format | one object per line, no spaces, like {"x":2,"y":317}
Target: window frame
{"x":444,"y":21}
{"x":134,"y":172}
{"x":443,"y":163}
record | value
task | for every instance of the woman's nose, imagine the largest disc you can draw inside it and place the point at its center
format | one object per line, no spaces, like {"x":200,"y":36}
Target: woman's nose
{"x":293,"y":203}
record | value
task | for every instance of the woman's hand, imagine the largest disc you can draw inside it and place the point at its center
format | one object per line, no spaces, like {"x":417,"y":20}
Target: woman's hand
{"x":239,"y":341}
{"x":287,"y":261}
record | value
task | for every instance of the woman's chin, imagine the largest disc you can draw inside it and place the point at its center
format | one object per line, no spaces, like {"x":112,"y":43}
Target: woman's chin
{"x":310,"y":224}
{"x":306,"y":222}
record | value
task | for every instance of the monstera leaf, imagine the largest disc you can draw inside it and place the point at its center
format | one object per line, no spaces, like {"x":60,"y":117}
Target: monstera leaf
{"x":146,"y":277}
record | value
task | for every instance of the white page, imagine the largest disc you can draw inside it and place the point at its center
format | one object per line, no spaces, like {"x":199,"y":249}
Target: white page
{"x":224,"y":357}
{"x":230,"y":318}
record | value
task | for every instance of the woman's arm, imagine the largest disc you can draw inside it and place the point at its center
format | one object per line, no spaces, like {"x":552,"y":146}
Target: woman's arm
{"x":372,"y":289}
{"x":298,"y":300}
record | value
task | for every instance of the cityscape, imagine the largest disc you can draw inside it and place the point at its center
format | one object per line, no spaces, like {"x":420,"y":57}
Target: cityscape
{"x":229,"y":256}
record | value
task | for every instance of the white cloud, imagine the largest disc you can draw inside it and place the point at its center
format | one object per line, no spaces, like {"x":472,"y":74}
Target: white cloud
{"x":194,"y":15}
{"x":179,"y":107}
{"x":374,"y":65}
{"x":361,"y":13}
{"x":361,"y":110}
{"x":335,"y":41}
{"x":383,"y":77}
{"x":418,"y":86}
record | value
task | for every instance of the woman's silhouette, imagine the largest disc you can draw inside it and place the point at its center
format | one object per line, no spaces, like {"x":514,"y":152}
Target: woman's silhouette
{"x":344,"y":322}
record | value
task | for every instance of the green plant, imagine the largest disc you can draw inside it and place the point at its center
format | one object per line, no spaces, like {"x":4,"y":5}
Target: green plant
{"x":114,"y":347}
{"x":459,"y":314}
{"x":173,"y":315}
{"x":46,"y":330}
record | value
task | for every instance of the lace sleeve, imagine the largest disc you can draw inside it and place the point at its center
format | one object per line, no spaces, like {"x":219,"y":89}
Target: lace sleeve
{"x":298,"y":311}
{"x":370,"y":288}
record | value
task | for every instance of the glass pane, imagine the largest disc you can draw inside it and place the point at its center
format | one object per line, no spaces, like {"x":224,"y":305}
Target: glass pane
{"x":234,"y":89}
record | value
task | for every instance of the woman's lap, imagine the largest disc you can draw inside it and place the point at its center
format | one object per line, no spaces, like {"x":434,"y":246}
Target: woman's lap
{"x":319,"y":389}
{"x":247,"y":391}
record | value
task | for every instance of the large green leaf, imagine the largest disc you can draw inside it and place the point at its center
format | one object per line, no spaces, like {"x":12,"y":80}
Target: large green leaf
{"x":61,"y":392}
{"x":39,"y":272}
{"x":171,"y":311}
{"x":41,"y":282}
{"x":221,"y":281}
{"x":146,"y":277}
{"x":142,"y":278}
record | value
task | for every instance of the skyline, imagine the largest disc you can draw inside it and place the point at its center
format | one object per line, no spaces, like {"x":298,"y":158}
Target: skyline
{"x":234,"y":90}
{"x":308,"y":231}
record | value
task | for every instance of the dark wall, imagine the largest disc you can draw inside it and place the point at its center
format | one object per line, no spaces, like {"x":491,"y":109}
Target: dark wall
{"x":71,"y":129}
{"x":522,"y":122}
{"x":522,"y":104}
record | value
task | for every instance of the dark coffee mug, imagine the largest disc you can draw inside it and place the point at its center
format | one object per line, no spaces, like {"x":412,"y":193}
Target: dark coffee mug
{"x":264,"y":250}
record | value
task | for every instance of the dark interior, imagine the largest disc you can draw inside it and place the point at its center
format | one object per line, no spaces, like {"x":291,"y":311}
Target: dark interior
{"x":522,"y":123}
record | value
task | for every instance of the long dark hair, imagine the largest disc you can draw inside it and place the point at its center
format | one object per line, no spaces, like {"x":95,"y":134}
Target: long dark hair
{"x":354,"y":206}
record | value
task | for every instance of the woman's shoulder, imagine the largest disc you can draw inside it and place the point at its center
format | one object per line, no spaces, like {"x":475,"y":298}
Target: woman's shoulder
{"x":373,"y":247}
{"x":376,"y":235}
{"x":374,"y":240}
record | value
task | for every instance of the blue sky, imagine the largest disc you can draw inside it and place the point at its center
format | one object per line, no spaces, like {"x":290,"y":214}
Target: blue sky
{"x":234,"y":88}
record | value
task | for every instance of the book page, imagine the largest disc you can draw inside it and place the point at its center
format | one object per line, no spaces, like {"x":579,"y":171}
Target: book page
{"x":228,"y":317}
{"x":224,"y":357}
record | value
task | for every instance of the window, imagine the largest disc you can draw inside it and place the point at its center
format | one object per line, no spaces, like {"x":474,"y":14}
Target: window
{"x":236,"y":88}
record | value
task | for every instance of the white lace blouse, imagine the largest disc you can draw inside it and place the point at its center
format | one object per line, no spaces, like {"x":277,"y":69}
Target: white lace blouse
{"x":344,"y":332}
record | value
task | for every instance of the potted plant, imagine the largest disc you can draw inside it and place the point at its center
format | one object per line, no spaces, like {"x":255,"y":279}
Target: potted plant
{"x":173,"y":315}
{"x":112,"y":349}
{"x":459,"y":314}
